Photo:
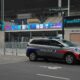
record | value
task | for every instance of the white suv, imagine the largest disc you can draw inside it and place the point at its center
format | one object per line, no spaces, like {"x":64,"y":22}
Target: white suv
{"x":53,"y":48}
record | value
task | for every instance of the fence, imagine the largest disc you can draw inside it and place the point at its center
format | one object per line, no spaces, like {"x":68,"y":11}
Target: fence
{"x":13,"y":48}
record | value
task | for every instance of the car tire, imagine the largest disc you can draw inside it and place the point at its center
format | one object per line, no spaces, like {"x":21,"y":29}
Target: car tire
{"x":70,"y":59}
{"x":33,"y":57}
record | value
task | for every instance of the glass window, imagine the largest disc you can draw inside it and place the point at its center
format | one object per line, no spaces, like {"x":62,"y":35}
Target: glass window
{"x":34,"y":42}
{"x":54,"y":43}
{"x":40,"y":42}
{"x":69,"y":43}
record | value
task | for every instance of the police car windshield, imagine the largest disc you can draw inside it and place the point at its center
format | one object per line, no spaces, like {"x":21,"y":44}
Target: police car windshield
{"x":69,"y":43}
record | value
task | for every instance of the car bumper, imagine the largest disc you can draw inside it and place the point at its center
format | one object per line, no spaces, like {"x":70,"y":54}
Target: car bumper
{"x":77,"y":56}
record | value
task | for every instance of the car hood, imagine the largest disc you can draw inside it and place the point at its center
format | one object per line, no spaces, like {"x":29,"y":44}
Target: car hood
{"x":74,"y":49}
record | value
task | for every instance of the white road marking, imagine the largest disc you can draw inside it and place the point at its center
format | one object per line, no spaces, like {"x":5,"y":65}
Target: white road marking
{"x":52,"y":67}
{"x":44,"y":66}
{"x":55,"y":68}
{"x":43,"y":75}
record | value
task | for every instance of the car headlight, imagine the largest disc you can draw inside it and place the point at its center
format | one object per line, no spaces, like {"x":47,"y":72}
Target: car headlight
{"x":77,"y":50}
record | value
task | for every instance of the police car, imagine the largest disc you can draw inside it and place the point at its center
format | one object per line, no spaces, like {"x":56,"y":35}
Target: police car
{"x":53,"y":48}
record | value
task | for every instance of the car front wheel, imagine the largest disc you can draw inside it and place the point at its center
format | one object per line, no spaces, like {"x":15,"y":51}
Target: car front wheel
{"x":70,"y":59}
{"x":32,"y":57}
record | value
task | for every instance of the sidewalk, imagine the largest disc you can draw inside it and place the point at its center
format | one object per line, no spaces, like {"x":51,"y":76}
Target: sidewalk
{"x":12,"y":59}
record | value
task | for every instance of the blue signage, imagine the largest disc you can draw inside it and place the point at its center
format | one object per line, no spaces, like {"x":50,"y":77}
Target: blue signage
{"x":72,"y":21}
{"x":33,"y":26}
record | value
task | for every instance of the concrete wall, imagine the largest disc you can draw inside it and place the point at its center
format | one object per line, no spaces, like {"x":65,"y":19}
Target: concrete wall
{"x":69,"y":31}
{"x":66,"y":35}
{"x":2,"y":37}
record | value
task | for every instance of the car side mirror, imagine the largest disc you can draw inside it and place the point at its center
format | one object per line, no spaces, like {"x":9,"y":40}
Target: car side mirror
{"x":28,"y":44}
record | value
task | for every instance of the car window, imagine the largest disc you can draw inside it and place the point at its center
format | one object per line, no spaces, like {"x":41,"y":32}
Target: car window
{"x":69,"y":43}
{"x":47,"y":42}
{"x":43,"y":42}
{"x":34,"y":42}
{"x":54,"y":43}
{"x":40,"y":42}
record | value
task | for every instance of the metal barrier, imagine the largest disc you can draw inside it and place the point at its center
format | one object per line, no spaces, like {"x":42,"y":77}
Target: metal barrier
{"x":13,"y":48}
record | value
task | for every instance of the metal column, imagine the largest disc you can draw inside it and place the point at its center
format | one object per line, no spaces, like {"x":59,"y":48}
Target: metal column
{"x":68,"y":7}
{"x":59,"y":6}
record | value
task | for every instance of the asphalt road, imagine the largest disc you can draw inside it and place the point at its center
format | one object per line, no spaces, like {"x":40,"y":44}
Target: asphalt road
{"x":20,"y":68}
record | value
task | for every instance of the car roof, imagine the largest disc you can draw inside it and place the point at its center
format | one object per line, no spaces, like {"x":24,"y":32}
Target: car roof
{"x":43,"y":39}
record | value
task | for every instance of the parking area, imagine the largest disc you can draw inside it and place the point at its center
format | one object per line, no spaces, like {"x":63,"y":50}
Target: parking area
{"x":12,"y":59}
{"x":20,"y":68}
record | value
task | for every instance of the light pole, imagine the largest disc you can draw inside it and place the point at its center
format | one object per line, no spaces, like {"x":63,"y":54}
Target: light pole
{"x":59,"y":6}
{"x":68,"y":7}
{"x":62,"y":25}
{"x":2,"y":13}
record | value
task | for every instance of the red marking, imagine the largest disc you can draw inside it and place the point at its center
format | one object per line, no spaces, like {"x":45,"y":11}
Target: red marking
{"x":61,"y":51}
{"x":77,"y":56}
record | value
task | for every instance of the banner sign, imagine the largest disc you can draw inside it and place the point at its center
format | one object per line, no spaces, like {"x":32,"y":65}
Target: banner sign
{"x":71,"y":21}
